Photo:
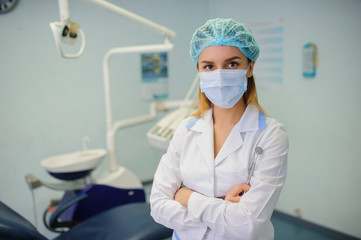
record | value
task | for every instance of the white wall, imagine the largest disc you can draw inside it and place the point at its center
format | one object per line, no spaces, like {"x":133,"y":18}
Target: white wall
{"x":47,"y":104}
{"x":321,"y":115}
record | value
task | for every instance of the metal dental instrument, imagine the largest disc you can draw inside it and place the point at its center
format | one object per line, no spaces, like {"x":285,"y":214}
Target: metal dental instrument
{"x":258,"y":150}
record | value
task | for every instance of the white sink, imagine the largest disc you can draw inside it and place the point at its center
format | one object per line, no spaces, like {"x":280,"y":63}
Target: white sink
{"x":74,"y":165}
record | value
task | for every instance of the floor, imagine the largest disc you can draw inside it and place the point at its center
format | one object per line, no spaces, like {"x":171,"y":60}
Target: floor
{"x":285,"y":230}
{"x":289,"y":230}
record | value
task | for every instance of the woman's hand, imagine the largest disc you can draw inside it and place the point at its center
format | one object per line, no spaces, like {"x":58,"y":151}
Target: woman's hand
{"x":182,"y":195}
{"x":233,"y":195}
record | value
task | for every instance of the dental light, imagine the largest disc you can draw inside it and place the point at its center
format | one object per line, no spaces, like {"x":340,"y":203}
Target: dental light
{"x":67,"y":32}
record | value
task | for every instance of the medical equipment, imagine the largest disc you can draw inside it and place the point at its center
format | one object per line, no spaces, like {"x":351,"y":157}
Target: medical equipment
{"x":74,"y":165}
{"x":309,"y":60}
{"x":7,"y":5}
{"x":258,"y":151}
{"x":84,"y":196}
{"x":131,"y":221}
{"x":160,"y":134}
{"x":224,"y":87}
{"x":67,"y":32}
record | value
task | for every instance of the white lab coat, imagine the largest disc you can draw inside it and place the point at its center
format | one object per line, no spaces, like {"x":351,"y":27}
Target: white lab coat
{"x":190,"y":161}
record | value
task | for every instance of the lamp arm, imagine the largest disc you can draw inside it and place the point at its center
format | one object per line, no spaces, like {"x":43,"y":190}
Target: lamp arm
{"x":136,"y":18}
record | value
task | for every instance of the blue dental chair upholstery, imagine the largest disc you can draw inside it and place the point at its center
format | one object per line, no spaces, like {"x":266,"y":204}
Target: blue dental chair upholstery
{"x":13,"y":226}
{"x":127,"y":222}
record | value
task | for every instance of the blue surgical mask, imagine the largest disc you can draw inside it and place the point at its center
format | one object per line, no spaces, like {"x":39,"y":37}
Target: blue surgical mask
{"x":224,"y":87}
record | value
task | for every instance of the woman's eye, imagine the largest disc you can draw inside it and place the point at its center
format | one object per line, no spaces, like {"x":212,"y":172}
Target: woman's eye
{"x":233,"y":64}
{"x":208,"y":67}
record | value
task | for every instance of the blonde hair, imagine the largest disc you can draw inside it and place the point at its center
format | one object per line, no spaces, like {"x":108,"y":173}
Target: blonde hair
{"x":249,"y":97}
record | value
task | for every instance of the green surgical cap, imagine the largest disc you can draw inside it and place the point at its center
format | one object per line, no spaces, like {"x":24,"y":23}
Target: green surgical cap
{"x":225,"y":32}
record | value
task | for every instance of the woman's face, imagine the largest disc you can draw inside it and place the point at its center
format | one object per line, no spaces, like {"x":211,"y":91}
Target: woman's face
{"x":223,"y":57}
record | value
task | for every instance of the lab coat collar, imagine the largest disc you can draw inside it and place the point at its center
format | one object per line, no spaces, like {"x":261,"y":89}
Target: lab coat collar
{"x":252,"y":120}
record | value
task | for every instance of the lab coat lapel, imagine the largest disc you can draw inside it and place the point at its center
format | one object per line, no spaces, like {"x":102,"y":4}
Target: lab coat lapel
{"x":248,"y":122}
{"x":233,"y":142}
{"x":205,"y":141}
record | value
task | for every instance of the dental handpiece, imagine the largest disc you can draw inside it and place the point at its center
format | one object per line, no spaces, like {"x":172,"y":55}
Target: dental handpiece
{"x":258,"y":150}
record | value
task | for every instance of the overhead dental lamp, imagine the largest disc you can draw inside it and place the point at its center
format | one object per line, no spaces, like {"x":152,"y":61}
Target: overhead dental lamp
{"x":67,"y":32}
{"x":7,"y":5}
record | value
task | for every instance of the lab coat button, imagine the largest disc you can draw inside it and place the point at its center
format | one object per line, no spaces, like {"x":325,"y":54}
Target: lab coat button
{"x":210,"y":180}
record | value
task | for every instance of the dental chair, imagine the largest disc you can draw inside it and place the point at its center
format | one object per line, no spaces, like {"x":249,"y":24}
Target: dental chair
{"x":127,"y":222}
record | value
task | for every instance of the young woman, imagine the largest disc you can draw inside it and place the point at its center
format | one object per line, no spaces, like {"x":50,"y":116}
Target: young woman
{"x":226,"y":165}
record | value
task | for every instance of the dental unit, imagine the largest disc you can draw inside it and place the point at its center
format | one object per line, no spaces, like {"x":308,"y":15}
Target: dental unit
{"x":86,"y":197}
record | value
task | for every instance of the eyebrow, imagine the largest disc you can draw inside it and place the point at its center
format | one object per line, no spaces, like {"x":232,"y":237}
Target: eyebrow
{"x":232,"y":58}
{"x":226,"y":60}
